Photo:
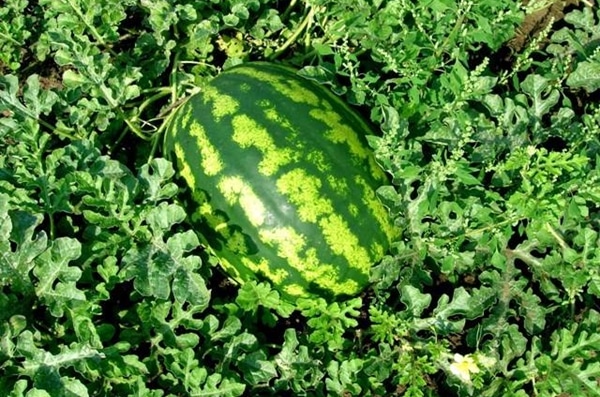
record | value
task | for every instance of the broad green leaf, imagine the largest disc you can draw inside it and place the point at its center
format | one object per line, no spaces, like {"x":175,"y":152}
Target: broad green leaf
{"x":542,"y":95}
{"x":464,"y":174}
{"x":330,"y":321}
{"x":72,"y":79}
{"x":74,"y":387}
{"x":512,"y":343}
{"x":19,"y":228}
{"x":186,"y":368}
{"x":162,"y":17}
{"x":584,"y":19}
{"x":533,"y":312}
{"x":586,"y":75}
{"x":15,"y":30}
{"x":189,"y":286}
{"x":86,"y":331}
{"x":158,"y":267}
{"x":181,"y":243}
{"x":151,"y":270}
{"x":594,"y":285}
{"x":253,"y":295}
{"x":257,"y":368}
{"x":568,"y":367}
{"x":156,"y":177}
{"x":295,"y":365}
{"x":387,"y":326}
{"x":38,"y":101}
{"x":140,"y":389}
{"x":37,"y":359}
{"x":56,"y":279}
{"x":342,"y":377}
{"x":164,"y":216}
{"x":218,"y":386}
{"x":231,"y":326}
{"x":414,"y":300}
{"x":239,"y":343}
{"x":35,"y":102}
{"x":123,"y":366}
{"x":37,"y":393}
{"x":19,"y":388}
{"x":450,"y":315}
{"x":186,"y":341}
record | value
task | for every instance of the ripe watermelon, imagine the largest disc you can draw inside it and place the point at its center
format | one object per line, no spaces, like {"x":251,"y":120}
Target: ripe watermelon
{"x":282,"y":181}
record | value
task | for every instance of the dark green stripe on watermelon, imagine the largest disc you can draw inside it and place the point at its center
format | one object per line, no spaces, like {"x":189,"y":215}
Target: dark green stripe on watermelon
{"x":283,"y":179}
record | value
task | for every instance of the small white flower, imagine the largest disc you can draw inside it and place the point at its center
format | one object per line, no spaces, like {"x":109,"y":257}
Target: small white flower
{"x":463,"y":367}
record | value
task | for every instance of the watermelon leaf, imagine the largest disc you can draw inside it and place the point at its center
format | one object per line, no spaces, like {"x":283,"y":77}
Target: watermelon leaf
{"x":329,"y":322}
{"x":253,"y":295}
{"x":257,"y":368}
{"x":56,"y":279}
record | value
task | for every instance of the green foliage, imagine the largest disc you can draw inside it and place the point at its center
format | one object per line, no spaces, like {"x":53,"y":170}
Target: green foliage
{"x":577,"y":43}
{"x":15,"y":27}
{"x":329,"y":322}
{"x":491,"y":290}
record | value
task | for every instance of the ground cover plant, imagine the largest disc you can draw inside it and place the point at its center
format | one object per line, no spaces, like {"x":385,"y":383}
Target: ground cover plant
{"x":488,"y":117}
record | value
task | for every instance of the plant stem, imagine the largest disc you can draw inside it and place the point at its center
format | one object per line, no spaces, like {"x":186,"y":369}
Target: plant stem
{"x":305,"y":22}
{"x":288,"y":9}
{"x":454,"y":32}
{"x":9,"y":38}
{"x":91,"y":28}
{"x":55,"y":129}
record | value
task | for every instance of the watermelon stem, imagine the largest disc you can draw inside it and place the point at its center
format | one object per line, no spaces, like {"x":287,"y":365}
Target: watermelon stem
{"x":289,"y":9}
{"x":159,"y":132}
{"x":165,"y":113}
{"x":134,"y":123}
{"x":306,"y":22}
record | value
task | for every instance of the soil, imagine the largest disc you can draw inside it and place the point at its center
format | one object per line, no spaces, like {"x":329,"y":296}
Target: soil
{"x":531,"y":28}
{"x":537,"y":21}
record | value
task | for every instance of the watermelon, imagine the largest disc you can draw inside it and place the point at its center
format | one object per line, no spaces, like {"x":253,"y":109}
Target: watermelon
{"x":282,"y":181}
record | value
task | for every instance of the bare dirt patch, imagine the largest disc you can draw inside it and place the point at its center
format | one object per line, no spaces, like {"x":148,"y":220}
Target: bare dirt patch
{"x":536,"y":22}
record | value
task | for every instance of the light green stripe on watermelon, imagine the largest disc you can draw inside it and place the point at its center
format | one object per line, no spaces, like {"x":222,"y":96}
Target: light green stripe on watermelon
{"x":232,"y":271}
{"x":377,"y":250}
{"x":303,"y":191}
{"x":236,"y":191}
{"x":184,"y":168}
{"x":292,"y":246}
{"x":318,"y":158}
{"x":295,"y":290}
{"x":217,"y":221}
{"x":343,"y":242}
{"x":338,"y":185}
{"x":236,"y":243}
{"x":344,"y":131}
{"x":211,"y":161}
{"x":263,"y":266}
{"x":375,"y":207}
{"x":222,"y":105}
{"x":290,"y":89}
{"x":248,"y":133}
{"x":271,"y":114}
{"x":185,"y":116}
{"x":340,"y":132}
